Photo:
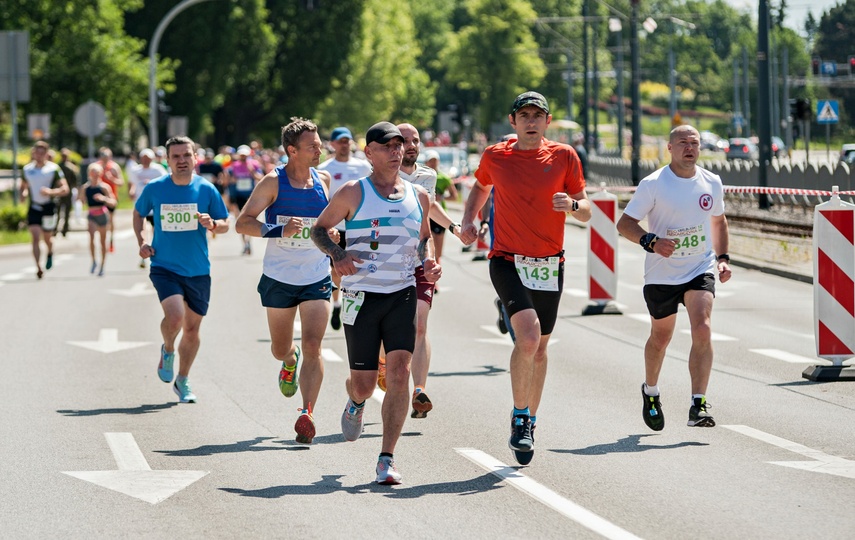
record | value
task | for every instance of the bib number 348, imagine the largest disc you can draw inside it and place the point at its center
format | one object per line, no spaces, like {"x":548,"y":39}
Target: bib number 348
{"x":538,"y":274}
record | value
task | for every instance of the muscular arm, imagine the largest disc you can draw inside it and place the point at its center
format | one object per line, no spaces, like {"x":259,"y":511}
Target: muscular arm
{"x":425,"y":248}
{"x":262,"y":197}
{"x":720,"y":234}
{"x":345,"y":200}
{"x":477,"y":197}
{"x":630,"y":229}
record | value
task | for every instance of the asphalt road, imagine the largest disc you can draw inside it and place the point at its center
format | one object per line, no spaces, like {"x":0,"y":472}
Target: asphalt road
{"x":84,"y":409}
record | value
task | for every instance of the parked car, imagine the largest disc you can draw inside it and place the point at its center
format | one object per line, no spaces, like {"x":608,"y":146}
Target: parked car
{"x":847,"y":153}
{"x":741,"y":148}
{"x":779,"y":148}
{"x":710,"y":141}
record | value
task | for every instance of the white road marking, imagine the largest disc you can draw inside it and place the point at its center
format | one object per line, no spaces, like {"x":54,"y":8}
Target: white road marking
{"x":788,"y":332}
{"x":108,"y":342}
{"x":641,"y":317}
{"x":785,"y":356}
{"x":577,"y":293}
{"x":134,"y":477}
{"x":822,"y":462}
{"x":713,"y":336}
{"x":331,"y":356}
{"x":137,"y":289}
{"x":563,"y":506}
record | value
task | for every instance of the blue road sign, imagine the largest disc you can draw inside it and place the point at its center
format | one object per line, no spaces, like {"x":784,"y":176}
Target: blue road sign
{"x":829,"y":69}
{"x":827,"y":111}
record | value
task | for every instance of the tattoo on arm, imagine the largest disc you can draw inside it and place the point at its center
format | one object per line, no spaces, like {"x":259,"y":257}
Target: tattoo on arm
{"x":322,"y":239}
{"x":423,"y":248}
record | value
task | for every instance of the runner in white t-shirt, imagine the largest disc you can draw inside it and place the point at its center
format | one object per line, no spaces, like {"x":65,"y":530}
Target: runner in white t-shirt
{"x":686,"y":244}
{"x":343,"y":167}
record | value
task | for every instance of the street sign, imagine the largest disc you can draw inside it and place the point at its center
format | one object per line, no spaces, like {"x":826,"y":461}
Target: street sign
{"x":176,"y":126}
{"x":827,"y":111}
{"x":38,"y":126}
{"x":829,"y":69}
{"x":15,"y":66}
{"x":90,"y":119}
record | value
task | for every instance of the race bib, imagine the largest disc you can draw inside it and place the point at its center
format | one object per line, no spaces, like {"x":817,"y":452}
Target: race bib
{"x":689,"y":241}
{"x":244,"y":184}
{"x":178,"y":217}
{"x":351,"y":303}
{"x":538,"y":274}
{"x":303,"y":237}
{"x":49,"y":221}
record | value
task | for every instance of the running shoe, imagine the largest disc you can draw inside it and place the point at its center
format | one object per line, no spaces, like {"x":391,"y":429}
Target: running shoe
{"x":698,"y":415}
{"x":94,"y":266}
{"x":652,"y":412}
{"x":335,"y":320}
{"x":164,"y":367}
{"x":387,"y":473}
{"x":521,"y":440}
{"x":101,"y":272}
{"x":421,"y":405}
{"x":500,"y":322}
{"x":49,"y":262}
{"x":524,"y":458}
{"x":305,"y":426}
{"x":182,"y":388}
{"x":112,"y":247}
{"x":381,"y":373}
{"x":288,"y":377}
{"x":351,"y":421}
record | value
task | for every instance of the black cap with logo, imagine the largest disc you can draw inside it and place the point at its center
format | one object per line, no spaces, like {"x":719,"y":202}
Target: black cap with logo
{"x":382,"y":132}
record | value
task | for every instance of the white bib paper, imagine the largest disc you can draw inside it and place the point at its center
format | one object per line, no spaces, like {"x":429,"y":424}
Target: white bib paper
{"x":178,"y":217}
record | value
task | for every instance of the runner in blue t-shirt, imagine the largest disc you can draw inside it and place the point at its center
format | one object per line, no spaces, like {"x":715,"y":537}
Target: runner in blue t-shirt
{"x":185,"y":207}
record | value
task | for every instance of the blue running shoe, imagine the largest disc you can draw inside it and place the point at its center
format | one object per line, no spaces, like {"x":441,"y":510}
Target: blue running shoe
{"x":182,"y":389}
{"x":164,"y":367}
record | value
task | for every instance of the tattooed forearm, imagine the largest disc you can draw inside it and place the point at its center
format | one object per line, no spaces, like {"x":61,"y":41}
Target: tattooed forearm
{"x":424,"y":250}
{"x":322,"y":239}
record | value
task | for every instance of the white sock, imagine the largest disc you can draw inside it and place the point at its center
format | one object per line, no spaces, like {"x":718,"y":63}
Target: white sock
{"x":651,"y":390}
{"x":697,"y":396}
{"x":336,"y":303}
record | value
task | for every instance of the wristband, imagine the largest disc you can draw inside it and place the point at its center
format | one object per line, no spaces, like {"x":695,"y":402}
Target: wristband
{"x":648,"y":241}
{"x":271,"y":231}
{"x":575,"y":206}
{"x":723,"y":257}
{"x":452,"y":226}
{"x":484,"y":222}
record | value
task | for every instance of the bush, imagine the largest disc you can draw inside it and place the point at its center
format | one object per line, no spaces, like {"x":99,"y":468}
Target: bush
{"x":13,"y":218}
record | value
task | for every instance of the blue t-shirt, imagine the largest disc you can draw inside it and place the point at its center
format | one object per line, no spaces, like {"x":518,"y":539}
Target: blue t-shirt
{"x":180,"y":243}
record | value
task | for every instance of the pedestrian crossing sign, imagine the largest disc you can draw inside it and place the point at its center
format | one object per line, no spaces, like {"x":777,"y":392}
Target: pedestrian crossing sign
{"x":827,"y":111}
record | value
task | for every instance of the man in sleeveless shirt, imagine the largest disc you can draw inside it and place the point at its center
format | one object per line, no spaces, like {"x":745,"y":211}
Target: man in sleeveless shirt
{"x":686,"y":245}
{"x":387,"y":236}
{"x":43,"y":181}
{"x":535,"y":182}
{"x":296,"y":273}
{"x":185,"y":208}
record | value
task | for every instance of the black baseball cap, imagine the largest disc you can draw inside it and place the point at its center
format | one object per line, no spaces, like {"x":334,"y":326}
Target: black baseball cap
{"x":382,"y":132}
{"x":530,"y":98}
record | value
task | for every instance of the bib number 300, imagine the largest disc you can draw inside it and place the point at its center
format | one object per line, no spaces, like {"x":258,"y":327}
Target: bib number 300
{"x":351,"y":303}
{"x":178,"y":217}
{"x":538,"y":274}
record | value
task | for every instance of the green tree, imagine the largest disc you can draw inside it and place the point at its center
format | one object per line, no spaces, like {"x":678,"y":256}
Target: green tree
{"x":835,"y":42}
{"x":80,"y":51}
{"x":495,"y":56}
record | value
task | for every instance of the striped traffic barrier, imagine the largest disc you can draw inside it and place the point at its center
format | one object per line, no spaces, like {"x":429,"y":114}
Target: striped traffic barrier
{"x":834,"y":289}
{"x":602,"y":255}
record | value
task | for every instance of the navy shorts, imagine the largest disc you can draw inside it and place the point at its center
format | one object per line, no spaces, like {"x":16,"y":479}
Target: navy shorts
{"x":517,"y":297}
{"x":275,"y":294}
{"x":663,"y":300}
{"x":387,"y":318}
{"x":196,"y":290}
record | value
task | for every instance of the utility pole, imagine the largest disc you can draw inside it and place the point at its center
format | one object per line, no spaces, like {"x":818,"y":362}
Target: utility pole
{"x":746,"y":95}
{"x":764,"y":100}
{"x":636,"y":94}
{"x":586,"y":93}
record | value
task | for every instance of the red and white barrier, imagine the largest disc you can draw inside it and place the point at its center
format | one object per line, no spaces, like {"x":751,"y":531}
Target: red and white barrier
{"x":834,"y":288}
{"x":602,"y":255}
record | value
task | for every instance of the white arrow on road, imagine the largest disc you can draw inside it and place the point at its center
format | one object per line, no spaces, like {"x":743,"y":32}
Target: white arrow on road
{"x":135,"y":477}
{"x":822,"y":462}
{"x":137,"y":289}
{"x":108,"y":342}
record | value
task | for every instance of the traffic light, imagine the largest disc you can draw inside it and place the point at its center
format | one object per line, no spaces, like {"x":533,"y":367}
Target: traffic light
{"x":803,"y":111}
{"x":852,"y":65}
{"x":793,"y":110}
{"x":815,"y":63}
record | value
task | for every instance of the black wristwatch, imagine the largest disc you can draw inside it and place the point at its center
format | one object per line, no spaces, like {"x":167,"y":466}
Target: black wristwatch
{"x":575,"y":206}
{"x":724,"y":256}
{"x":452,"y":226}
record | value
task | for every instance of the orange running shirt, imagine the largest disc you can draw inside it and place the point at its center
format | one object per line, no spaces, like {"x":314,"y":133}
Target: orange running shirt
{"x":524,"y":182}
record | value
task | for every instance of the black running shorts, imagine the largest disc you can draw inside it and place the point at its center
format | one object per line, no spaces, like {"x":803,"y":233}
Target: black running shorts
{"x":517,"y":297}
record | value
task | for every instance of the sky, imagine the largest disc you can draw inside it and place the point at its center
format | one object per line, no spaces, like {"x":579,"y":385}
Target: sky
{"x":797,"y":10}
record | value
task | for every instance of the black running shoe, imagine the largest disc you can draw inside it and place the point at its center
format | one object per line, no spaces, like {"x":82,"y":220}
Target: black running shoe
{"x":335,"y":321}
{"x":521,"y":440}
{"x":653,"y":416}
{"x":698,"y":415}
{"x":500,"y":322}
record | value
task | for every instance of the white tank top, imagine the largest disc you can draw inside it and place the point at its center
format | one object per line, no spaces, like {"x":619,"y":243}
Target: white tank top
{"x":385,"y":235}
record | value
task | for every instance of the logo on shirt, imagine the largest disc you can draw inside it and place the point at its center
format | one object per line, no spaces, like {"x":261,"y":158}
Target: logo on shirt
{"x":372,"y":268}
{"x":374,"y":245}
{"x":705,"y":202}
{"x":394,"y":211}
{"x":372,"y":256}
{"x":547,"y":168}
{"x":375,"y":234}
{"x":337,"y":176}
{"x":375,"y":222}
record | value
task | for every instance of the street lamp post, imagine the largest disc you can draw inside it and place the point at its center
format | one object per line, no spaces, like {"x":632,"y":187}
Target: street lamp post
{"x":764,"y":126}
{"x":152,"y":67}
{"x":636,"y":94}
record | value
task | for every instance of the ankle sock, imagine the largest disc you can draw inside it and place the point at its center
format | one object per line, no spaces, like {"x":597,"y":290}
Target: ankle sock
{"x":651,"y":390}
{"x":523,"y":412}
{"x":698,"y":396}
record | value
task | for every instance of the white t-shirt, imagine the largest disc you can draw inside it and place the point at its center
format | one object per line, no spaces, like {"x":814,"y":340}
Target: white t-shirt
{"x":143,"y":175}
{"x":342,"y":172}
{"x":422,"y":176}
{"x":679,"y":209}
{"x":39,"y":177}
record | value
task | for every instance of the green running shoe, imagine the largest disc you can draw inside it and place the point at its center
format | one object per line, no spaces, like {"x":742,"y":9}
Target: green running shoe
{"x":288,"y":383}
